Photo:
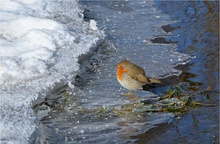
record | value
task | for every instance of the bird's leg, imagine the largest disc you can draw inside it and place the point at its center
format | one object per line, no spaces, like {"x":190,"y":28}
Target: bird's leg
{"x":135,"y":93}
{"x":130,"y":95}
{"x":134,"y":96}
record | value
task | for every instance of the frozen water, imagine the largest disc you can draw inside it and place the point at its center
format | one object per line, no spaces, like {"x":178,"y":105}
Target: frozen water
{"x":40,"y":46}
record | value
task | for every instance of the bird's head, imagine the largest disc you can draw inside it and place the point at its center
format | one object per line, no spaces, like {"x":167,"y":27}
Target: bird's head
{"x":122,"y":64}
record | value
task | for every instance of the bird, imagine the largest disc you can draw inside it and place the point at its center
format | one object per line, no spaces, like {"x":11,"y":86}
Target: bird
{"x":132,"y":76}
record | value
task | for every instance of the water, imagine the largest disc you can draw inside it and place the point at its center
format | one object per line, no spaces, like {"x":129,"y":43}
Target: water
{"x":150,"y":35}
{"x":198,"y":35}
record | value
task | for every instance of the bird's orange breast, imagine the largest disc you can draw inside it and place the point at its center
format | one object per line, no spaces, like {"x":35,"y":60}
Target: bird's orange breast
{"x":120,"y":72}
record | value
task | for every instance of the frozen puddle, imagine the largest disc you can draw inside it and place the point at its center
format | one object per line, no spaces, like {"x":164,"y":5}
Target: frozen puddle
{"x":40,"y":45}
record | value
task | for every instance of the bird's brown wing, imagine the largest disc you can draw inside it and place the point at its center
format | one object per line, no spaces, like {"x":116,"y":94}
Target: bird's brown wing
{"x":134,"y":69}
{"x":137,"y":73}
{"x":139,"y":77}
{"x":142,"y":78}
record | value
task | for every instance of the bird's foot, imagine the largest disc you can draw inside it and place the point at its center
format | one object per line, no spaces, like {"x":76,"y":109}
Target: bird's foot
{"x":127,"y":94}
{"x":132,"y":98}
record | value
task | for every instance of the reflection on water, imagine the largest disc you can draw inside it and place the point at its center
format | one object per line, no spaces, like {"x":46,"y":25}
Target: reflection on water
{"x":199,"y":34}
{"x":68,"y":115}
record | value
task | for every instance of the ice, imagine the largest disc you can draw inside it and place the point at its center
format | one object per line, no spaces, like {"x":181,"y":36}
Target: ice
{"x":39,"y":48}
{"x":92,"y":25}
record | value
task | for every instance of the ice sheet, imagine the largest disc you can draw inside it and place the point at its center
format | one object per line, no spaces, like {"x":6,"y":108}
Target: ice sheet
{"x":39,"y":47}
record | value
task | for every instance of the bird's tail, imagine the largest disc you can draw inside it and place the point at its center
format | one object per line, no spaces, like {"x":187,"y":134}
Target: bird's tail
{"x":155,"y":81}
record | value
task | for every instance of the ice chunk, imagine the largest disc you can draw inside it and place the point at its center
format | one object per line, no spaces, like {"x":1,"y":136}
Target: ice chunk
{"x":92,"y":25}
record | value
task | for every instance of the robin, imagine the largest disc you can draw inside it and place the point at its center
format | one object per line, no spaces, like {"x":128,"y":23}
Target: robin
{"x":132,"y":76}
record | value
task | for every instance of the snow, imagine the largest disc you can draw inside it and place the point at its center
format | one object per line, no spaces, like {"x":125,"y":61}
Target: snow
{"x":39,"y":47}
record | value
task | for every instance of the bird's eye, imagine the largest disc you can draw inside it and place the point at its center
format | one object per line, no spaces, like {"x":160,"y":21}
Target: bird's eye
{"x":119,"y":66}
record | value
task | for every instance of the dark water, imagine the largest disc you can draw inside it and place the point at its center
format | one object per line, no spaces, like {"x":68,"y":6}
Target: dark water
{"x":198,"y":32}
{"x":147,"y":33}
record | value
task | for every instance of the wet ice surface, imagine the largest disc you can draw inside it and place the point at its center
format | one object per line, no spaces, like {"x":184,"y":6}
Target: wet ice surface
{"x":130,"y":27}
{"x":40,"y":46}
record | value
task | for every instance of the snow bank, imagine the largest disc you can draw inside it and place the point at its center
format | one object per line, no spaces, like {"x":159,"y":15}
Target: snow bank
{"x":40,"y":42}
